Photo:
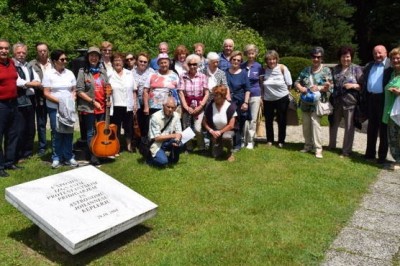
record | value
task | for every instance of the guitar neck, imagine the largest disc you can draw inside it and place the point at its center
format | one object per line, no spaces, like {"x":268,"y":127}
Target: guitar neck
{"x":107,"y":120}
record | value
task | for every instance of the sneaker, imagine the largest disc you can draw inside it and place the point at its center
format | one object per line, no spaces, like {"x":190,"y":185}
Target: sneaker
{"x":269,"y":144}
{"x":280,"y":145}
{"x":318,"y":154}
{"x":394,"y":167}
{"x":55,"y":164}
{"x":231,"y":158}
{"x":250,"y":146}
{"x":72,"y":163}
{"x":305,"y":150}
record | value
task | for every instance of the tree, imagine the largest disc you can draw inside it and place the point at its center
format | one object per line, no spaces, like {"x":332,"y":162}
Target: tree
{"x":292,"y":27}
{"x":375,"y":22}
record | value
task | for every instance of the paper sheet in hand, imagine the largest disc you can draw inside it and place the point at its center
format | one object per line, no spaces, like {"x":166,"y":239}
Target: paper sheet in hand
{"x":187,"y":135}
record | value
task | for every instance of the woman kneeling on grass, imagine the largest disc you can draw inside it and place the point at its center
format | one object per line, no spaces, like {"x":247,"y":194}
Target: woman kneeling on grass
{"x":219,"y":121}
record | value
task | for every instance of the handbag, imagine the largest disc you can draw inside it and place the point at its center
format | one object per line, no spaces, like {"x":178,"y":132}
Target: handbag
{"x":292,"y":103}
{"x":324,"y":108}
{"x":395,"y":112}
{"x":146,"y":142}
{"x":260,"y":124}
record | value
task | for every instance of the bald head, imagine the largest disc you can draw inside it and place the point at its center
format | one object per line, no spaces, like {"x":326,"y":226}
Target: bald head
{"x":379,"y":53}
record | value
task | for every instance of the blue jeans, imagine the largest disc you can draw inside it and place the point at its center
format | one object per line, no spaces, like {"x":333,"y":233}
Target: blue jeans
{"x":61,"y":143}
{"x":90,"y":121}
{"x":161,"y":158}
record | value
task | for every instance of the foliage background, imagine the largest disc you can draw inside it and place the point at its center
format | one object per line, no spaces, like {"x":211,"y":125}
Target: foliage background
{"x":291,"y":27}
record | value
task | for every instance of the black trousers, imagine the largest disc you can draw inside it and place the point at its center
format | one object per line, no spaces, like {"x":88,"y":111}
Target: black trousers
{"x":375,"y":105}
{"x":8,"y":132}
{"x":279,"y":109}
{"x":26,"y":131}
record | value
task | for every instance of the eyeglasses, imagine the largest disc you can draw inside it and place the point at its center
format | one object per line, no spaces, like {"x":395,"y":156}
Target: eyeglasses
{"x":316,"y":57}
{"x":236,"y":60}
{"x":130,"y":59}
{"x":63,"y":59}
{"x":192,"y":64}
{"x":143,"y":62}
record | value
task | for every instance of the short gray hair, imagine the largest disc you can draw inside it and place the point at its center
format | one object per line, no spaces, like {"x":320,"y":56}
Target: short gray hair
{"x":250,"y":48}
{"x":170,"y":98}
{"x":229,"y":41}
{"x":317,"y":50}
{"x":192,"y":57}
{"x":212,"y":56}
{"x":20,"y":44}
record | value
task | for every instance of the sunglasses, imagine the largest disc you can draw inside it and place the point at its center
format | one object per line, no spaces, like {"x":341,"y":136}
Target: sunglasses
{"x":316,"y":57}
{"x":130,"y":59}
{"x":143,"y":62}
{"x":236,"y":60}
{"x":192,"y":64}
{"x":63,"y":59}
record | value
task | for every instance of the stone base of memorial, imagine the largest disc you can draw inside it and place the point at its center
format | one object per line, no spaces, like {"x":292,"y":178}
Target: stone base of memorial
{"x":81,"y":207}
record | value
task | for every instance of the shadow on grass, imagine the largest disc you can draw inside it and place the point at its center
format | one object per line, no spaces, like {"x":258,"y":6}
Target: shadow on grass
{"x":33,"y":239}
{"x":355,"y":157}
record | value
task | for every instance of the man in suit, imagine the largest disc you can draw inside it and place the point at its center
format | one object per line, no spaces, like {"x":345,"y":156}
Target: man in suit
{"x":376,"y":76}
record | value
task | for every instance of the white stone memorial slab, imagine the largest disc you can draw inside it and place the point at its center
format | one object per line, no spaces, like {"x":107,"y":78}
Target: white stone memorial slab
{"x":81,"y":207}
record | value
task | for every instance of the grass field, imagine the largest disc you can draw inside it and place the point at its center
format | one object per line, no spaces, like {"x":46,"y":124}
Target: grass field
{"x":270,"y":207}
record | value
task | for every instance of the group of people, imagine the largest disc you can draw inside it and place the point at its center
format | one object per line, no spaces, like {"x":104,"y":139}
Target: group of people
{"x":218,"y":96}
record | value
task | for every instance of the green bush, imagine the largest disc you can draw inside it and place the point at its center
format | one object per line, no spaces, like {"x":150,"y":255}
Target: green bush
{"x":295,"y":65}
{"x":211,"y":33}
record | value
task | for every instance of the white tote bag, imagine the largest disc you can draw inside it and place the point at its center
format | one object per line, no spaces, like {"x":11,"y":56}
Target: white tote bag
{"x":395,"y":113}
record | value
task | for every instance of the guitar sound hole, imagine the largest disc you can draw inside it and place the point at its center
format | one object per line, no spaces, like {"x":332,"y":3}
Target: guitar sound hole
{"x":106,"y":131}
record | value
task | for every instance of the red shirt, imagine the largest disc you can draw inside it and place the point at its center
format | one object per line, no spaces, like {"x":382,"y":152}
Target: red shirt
{"x":8,"y":81}
{"x":99,"y":93}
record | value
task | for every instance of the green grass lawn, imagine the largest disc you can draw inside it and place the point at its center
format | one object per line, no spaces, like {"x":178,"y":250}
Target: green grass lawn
{"x":270,"y":207}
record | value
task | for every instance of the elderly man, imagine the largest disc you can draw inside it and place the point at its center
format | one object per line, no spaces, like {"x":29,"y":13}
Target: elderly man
{"x":376,"y":75}
{"x":41,"y":64}
{"x":166,"y":132}
{"x":28,"y":80}
{"x":162,"y":49}
{"x":8,"y":110}
{"x":225,"y":55}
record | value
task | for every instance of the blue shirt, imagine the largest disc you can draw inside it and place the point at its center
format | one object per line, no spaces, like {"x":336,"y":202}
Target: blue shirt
{"x":153,"y":64}
{"x":253,"y":73}
{"x":238,"y":86}
{"x":224,"y":63}
{"x":375,"y":78}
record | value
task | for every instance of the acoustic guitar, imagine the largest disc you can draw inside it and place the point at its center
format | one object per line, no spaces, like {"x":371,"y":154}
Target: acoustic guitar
{"x":105,"y":143}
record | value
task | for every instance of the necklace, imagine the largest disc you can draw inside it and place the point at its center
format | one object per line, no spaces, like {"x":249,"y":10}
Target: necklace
{"x":318,"y":69}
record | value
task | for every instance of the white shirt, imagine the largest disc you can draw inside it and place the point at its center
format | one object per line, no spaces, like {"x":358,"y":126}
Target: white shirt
{"x":22,"y":82}
{"x":220,"y":118}
{"x":60,"y":84}
{"x":123,"y":88}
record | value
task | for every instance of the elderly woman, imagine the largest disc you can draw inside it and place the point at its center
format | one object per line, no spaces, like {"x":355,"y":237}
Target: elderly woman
{"x":199,"y":50}
{"x":91,"y":95}
{"x":141,"y":73}
{"x":123,"y":98}
{"x":347,"y":81}
{"x":392,"y":92}
{"x":193,"y":93}
{"x":219,"y":121}
{"x":276,"y":84}
{"x":239,"y":86}
{"x":130,"y":61}
{"x":59,"y":89}
{"x":159,"y":86}
{"x":316,"y":78}
{"x":253,"y":70}
{"x":215,"y":75}
{"x":178,"y":62}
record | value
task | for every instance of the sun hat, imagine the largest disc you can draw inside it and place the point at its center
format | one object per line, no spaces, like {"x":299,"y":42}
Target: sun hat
{"x":94,"y":49}
{"x":162,"y":56}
